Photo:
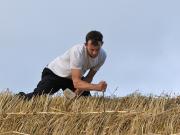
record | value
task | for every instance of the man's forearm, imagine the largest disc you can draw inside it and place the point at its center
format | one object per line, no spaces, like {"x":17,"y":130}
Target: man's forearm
{"x":83,"y":85}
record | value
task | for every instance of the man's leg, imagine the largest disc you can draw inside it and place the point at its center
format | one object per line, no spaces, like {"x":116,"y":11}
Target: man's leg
{"x":49,"y":84}
{"x":86,"y":93}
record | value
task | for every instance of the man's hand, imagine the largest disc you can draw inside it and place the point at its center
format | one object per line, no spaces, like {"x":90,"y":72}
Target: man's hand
{"x":101,"y":86}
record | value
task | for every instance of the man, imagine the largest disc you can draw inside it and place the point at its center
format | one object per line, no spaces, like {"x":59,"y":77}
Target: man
{"x":67,"y":70}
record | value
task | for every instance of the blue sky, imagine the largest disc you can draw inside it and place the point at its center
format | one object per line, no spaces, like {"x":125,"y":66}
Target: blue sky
{"x":141,"y":40}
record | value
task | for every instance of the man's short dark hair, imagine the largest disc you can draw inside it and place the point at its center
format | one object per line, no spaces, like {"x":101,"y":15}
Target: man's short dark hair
{"x":95,"y":37}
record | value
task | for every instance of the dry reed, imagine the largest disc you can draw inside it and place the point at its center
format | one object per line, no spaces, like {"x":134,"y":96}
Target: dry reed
{"x":131,"y":115}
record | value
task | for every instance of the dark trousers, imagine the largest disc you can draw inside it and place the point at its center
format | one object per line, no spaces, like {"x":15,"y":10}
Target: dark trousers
{"x":50,"y":83}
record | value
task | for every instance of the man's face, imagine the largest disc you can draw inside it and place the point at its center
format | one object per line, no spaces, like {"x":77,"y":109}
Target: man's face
{"x":92,"y":50}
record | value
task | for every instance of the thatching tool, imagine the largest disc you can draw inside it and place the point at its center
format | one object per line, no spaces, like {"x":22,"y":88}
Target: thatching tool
{"x":104,"y":107}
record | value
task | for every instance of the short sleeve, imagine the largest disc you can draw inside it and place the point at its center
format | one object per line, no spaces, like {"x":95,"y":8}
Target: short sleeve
{"x":76,"y":58}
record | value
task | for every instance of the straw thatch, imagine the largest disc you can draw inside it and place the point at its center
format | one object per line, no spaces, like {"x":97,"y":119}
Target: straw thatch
{"x":131,"y":115}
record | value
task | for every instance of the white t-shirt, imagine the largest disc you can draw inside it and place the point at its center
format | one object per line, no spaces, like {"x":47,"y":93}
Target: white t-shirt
{"x":76,"y":58}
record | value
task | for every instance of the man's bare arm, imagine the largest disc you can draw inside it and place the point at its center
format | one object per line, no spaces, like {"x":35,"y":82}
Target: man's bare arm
{"x":83,"y":85}
{"x":80,"y":84}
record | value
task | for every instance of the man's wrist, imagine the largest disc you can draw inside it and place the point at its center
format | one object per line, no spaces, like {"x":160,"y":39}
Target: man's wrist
{"x":94,"y":87}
